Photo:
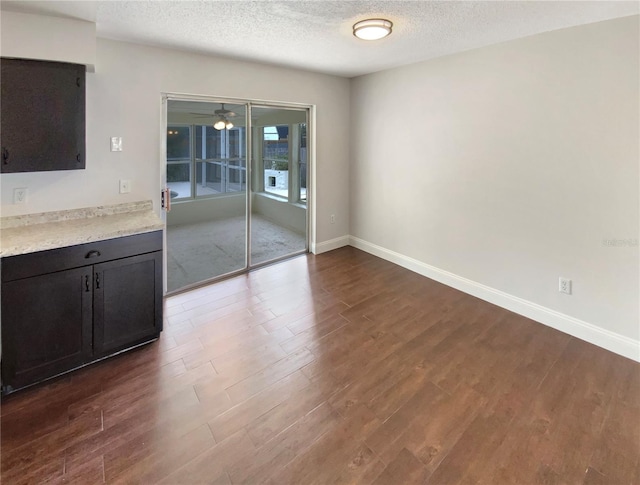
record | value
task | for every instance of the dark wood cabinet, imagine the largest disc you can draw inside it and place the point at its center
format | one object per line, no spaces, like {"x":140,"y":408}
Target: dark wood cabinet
{"x":46,"y":325}
{"x":43,"y":115}
{"x":126,"y":310}
{"x":67,"y":307}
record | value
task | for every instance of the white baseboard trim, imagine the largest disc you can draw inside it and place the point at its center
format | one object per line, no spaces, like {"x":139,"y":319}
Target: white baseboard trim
{"x":330,"y":245}
{"x":606,"y":339}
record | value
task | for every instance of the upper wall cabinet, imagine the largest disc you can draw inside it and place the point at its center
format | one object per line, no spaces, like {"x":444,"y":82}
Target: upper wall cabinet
{"x":42,"y":116}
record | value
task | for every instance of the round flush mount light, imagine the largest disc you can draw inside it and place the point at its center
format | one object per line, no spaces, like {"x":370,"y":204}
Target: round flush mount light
{"x":372,"y":29}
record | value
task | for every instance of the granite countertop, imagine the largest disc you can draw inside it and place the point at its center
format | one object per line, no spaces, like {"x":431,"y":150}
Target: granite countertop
{"x":51,"y":230}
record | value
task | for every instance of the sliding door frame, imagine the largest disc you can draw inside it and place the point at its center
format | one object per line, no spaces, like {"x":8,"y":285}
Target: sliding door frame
{"x":249,"y":104}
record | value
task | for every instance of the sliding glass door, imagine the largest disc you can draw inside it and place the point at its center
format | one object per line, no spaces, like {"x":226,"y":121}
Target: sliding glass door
{"x":228,"y":215}
{"x":207,"y":180}
{"x":278,"y":183}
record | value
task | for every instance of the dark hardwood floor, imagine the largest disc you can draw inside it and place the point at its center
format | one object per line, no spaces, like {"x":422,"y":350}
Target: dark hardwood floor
{"x":332,"y":369}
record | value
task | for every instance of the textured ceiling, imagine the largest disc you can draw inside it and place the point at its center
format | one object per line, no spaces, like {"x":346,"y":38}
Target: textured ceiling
{"x":317,"y":35}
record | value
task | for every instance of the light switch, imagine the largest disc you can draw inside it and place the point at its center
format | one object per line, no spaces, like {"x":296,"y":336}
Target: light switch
{"x":116,"y":143}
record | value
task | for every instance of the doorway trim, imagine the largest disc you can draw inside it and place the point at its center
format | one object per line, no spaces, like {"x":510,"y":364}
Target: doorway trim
{"x":311,"y":174}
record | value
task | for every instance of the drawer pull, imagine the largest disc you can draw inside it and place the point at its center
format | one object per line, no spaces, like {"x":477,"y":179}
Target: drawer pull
{"x":92,"y":254}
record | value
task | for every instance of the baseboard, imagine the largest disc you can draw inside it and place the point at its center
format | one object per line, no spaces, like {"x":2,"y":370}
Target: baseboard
{"x":330,"y":245}
{"x":588,"y":332}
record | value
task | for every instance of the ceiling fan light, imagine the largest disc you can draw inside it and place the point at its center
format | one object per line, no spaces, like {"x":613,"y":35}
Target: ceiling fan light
{"x":229,"y":125}
{"x":372,"y":29}
{"x":219,"y":125}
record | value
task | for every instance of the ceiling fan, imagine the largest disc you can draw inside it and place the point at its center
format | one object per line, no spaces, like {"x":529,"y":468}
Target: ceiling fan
{"x":223,"y":118}
{"x":224,"y":112}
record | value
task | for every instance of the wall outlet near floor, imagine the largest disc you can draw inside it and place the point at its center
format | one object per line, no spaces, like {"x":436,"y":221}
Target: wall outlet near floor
{"x":332,"y":218}
{"x":564,"y":285}
{"x":20,"y":195}
{"x":125,"y":186}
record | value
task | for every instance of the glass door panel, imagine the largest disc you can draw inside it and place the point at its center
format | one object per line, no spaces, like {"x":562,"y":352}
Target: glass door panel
{"x":207,"y":178}
{"x":279,"y":183}
{"x":179,"y":160}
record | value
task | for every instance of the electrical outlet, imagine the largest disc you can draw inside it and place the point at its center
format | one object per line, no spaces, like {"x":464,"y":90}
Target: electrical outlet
{"x":125,"y":186}
{"x":332,"y":218}
{"x":564,"y":285}
{"x":20,"y":195}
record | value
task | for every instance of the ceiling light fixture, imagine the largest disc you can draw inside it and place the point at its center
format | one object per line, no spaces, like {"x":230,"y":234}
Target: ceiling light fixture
{"x":223,"y":120}
{"x":223,"y":123}
{"x":372,"y":29}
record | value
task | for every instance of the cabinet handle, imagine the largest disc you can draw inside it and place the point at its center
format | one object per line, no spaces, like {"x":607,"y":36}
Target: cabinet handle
{"x":97,"y":281}
{"x":86,"y":283}
{"x":5,"y":156}
{"x":92,"y":254}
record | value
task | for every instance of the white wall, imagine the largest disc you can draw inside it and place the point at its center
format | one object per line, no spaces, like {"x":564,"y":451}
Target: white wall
{"x":29,"y":36}
{"x":285,"y":214}
{"x":500,"y":169}
{"x":207,"y":209}
{"x":123,"y":99}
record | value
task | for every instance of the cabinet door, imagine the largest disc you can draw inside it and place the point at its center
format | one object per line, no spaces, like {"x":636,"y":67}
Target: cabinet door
{"x":46,"y":325}
{"x":43,"y":116}
{"x":127,"y":302}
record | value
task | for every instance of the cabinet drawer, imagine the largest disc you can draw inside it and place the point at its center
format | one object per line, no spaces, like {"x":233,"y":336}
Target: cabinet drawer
{"x":42,"y":262}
